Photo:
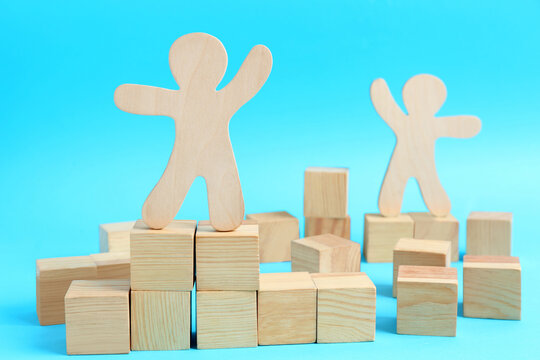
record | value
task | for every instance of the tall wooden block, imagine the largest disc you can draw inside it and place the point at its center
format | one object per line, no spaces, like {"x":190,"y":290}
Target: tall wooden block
{"x":324,"y":254}
{"x":326,"y":192}
{"x":287,"y":309}
{"x":112,"y":265}
{"x":226,"y":319}
{"x":162,"y":259}
{"x":382,"y":233}
{"x":492,"y":287}
{"x":489,"y":233}
{"x":430,"y":227}
{"x":420,"y":252}
{"x":276,"y":231}
{"x":160,"y":320}
{"x":53,"y":277}
{"x":322,"y":225}
{"x":114,"y":237}
{"x":228,"y":260}
{"x":97,"y":317}
{"x":427,"y":300}
{"x":345,"y":307}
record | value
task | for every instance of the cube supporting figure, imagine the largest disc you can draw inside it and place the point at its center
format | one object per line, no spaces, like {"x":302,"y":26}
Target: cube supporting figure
{"x":382,"y":233}
{"x":489,"y":233}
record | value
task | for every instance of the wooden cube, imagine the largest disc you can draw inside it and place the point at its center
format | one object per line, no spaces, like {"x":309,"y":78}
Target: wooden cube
{"x":226,"y":319}
{"x":276,"y":231}
{"x":489,"y":233}
{"x":114,"y":237}
{"x":97,"y":317}
{"x":112,"y":265}
{"x":420,"y":252}
{"x":381,"y":235}
{"x":287,"y":309}
{"x":160,"y":320}
{"x":427,"y":300}
{"x":162,"y":259}
{"x":53,"y":277}
{"x":345,"y":307}
{"x":323,"y":225}
{"x":492,"y":287}
{"x":228,"y":260}
{"x":324,"y":254}
{"x":326,"y":192}
{"x":430,"y":227}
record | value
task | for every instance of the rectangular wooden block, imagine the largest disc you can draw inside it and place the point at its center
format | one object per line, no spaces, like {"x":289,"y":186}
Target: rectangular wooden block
{"x":160,"y":320}
{"x":420,"y":252}
{"x":323,"y":225}
{"x":97,"y":317}
{"x":427,"y":300}
{"x":228,"y":260}
{"x":430,"y":227}
{"x":324,"y":254}
{"x":345,"y":307}
{"x":276,"y":231}
{"x":326,"y":192}
{"x":381,"y":234}
{"x":489,"y":233}
{"x":53,"y":277}
{"x":287,"y":309}
{"x":163,"y":259}
{"x":226,"y":319}
{"x":114,"y":237}
{"x":112,"y":265}
{"x":492,"y":287}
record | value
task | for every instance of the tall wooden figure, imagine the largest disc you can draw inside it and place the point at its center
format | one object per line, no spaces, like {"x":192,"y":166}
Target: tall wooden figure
{"x":416,"y":133}
{"x":202,"y":145}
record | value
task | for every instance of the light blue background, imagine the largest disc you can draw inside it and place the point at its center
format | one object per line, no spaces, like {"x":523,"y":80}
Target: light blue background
{"x":71,"y":160}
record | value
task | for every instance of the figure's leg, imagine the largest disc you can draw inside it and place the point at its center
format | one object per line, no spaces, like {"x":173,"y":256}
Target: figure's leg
{"x":435,"y":197}
{"x":393,"y":187}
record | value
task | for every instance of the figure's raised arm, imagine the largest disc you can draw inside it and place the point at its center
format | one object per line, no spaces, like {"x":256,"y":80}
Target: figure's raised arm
{"x":145,"y":100}
{"x":462,"y":126}
{"x":385,"y":105}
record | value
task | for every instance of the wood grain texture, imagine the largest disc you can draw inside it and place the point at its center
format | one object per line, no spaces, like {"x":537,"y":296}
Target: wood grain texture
{"x":163,"y":259}
{"x":323,"y":225}
{"x":160,"y":320}
{"x":114,"y":237}
{"x":492,"y":287}
{"x":489,"y":233}
{"x":381,"y":234}
{"x":430,"y":227}
{"x":416,"y":133}
{"x":326,"y":192}
{"x":427,"y":300}
{"x":276,"y":231}
{"x":112,"y":265}
{"x":201,"y":114}
{"x":227,"y":260}
{"x":345,"y":307}
{"x":226,"y":319}
{"x":97,"y":317}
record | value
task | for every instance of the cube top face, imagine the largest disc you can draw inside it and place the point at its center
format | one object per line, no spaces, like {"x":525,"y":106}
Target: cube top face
{"x":420,"y":217}
{"x":116,"y":227}
{"x":490,"y":261}
{"x":340,"y":281}
{"x":490,"y":216}
{"x":441,"y":247}
{"x":286,"y":281}
{"x":111,"y":258}
{"x":272,"y":217}
{"x":325,"y":242}
{"x":248,"y":229}
{"x":97,"y":288}
{"x":326,"y":192}
{"x":54,"y":267}
{"x":427,"y":274}
{"x":176,"y":227}
{"x":384,"y":220}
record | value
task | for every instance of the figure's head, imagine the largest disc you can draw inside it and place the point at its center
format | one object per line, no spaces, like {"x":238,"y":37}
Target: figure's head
{"x":424,"y":95}
{"x":199,"y":58}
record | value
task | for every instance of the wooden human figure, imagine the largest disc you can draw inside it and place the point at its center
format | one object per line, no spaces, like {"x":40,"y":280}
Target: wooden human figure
{"x":416,"y":133}
{"x":202,"y":145}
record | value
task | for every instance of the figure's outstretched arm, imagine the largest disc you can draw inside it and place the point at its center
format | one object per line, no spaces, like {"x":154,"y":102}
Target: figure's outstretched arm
{"x":145,"y":100}
{"x":385,"y":105}
{"x":462,"y":126}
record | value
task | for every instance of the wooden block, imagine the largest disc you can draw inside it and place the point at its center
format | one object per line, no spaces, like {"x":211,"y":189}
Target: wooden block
{"x":228,"y":260}
{"x":324,"y":254}
{"x":162,"y":259}
{"x":322,"y":225}
{"x":382,"y":233}
{"x":427,"y":300}
{"x":97,"y":317}
{"x":326,"y":192}
{"x":160,"y":320}
{"x":114,"y":237}
{"x":489,"y":233}
{"x":492,"y":287}
{"x":112,"y":265}
{"x":53,"y":277}
{"x":276,"y":231}
{"x":226,"y":319}
{"x":420,"y":252}
{"x":430,"y":227}
{"x":287,"y":309}
{"x":345,"y":307}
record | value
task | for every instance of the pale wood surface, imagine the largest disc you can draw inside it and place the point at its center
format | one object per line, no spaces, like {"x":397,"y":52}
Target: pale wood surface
{"x":489,"y":233}
{"x":324,"y":225}
{"x":112,"y":265}
{"x":382,"y":233}
{"x":416,"y":133}
{"x":114,"y":237}
{"x":201,"y":114}
{"x":276,"y":231}
{"x":226,"y":319}
{"x":160,"y":320}
{"x":326,"y":192}
{"x":429,"y":226}
{"x":97,"y":317}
